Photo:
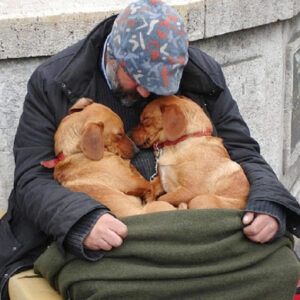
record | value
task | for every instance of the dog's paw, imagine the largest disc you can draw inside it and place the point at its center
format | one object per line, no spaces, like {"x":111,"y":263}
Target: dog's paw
{"x":148,"y":196}
{"x":182,"y":205}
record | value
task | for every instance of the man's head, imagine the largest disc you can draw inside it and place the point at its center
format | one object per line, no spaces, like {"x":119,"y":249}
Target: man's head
{"x":147,"y":50}
{"x":124,"y":88}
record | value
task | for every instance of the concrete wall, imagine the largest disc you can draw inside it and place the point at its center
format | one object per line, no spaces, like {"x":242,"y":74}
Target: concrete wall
{"x":257,"y":42}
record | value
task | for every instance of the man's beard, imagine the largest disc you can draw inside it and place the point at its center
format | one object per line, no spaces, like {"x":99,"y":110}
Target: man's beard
{"x":127,"y":98}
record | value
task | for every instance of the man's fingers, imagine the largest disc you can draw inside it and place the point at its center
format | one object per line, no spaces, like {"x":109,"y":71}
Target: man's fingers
{"x":100,"y":244}
{"x":266,"y":235}
{"x":106,"y":241}
{"x":118,"y":227}
{"x":262,"y":236}
{"x":93,"y":243}
{"x":112,"y":238}
{"x":262,"y":229}
{"x":108,"y":232}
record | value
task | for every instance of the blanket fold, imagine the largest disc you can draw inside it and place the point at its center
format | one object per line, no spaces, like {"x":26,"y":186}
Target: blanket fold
{"x":186,"y":254}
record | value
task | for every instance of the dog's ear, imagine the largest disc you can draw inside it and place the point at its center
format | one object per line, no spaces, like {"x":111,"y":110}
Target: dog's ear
{"x":80,"y":105}
{"x":173,"y":121}
{"x":92,"y":143}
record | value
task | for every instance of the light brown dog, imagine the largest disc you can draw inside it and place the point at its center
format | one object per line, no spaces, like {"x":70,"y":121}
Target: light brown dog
{"x":193,"y":166}
{"x":95,"y":154}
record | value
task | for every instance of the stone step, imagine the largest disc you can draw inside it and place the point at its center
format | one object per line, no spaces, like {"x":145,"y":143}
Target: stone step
{"x":42,"y":28}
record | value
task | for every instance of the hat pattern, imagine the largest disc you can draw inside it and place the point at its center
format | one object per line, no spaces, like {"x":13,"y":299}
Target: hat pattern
{"x":149,"y":41}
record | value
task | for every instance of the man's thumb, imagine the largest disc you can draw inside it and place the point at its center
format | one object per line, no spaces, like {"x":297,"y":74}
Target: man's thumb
{"x":248,"y":217}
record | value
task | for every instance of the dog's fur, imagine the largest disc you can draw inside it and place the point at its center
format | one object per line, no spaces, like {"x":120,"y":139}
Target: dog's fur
{"x":97,"y":153}
{"x":198,"y":170}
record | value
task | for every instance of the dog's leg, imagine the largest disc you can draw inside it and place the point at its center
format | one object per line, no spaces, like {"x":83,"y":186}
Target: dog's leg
{"x":145,"y":193}
{"x":157,"y":187}
{"x":179,"y":195}
{"x":215,"y":201}
{"x":157,"y":206}
{"x":138,"y":186}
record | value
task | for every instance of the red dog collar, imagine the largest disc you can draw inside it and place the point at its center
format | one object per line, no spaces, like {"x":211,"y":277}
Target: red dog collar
{"x":53,"y":162}
{"x":182,"y":138}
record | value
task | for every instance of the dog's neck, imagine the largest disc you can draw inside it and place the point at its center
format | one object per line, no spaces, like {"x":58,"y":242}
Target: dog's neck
{"x":159,"y":146}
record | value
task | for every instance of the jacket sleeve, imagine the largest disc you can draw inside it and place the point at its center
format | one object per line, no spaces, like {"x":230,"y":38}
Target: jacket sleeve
{"x":52,"y":208}
{"x":242,"y":148}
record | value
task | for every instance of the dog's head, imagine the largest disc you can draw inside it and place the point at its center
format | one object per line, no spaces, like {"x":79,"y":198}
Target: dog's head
{"x":92,"y":128}
{"x":167,"y":119}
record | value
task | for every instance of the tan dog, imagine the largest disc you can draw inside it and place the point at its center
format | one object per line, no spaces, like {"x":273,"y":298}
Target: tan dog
{"x":194,"y":167}
{"x":95,"y":155}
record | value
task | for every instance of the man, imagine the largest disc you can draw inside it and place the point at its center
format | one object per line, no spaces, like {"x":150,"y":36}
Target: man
{"x":123,"y":63}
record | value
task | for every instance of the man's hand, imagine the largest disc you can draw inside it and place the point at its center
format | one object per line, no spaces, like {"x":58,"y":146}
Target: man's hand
{"x":260,"y":228}
{"x":108,"y":232}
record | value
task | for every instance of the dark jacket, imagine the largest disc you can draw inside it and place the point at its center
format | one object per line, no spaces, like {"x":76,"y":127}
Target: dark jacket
{"x":40,"y":210}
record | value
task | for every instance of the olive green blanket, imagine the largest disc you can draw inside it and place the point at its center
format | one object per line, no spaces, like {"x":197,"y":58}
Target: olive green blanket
{"x":199,"y":254}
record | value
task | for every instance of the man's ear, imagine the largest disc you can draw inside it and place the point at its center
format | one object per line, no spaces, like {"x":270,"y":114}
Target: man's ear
{"x":92,"y":143}
{"x":80,"y":105}
{"x":173,"y":121}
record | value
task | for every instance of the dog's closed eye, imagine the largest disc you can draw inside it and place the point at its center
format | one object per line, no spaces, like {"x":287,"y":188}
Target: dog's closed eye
{"x":146,"y":121}
{"x":120,"y":135}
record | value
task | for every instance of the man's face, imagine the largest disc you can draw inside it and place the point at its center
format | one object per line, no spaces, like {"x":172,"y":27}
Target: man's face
{"x":124,"y":88}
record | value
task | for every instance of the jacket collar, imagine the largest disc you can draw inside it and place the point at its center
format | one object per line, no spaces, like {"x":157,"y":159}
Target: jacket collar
{"x":84,"y":62}
{"x":202,"y":75}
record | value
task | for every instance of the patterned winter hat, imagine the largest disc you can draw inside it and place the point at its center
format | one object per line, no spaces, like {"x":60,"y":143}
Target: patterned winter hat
{"x":150,"y":42}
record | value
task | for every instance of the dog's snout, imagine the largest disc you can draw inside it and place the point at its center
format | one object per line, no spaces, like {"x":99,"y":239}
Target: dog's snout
{"x":127,"y":148}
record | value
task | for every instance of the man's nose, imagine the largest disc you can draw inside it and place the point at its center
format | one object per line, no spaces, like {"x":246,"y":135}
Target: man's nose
{"x":143,"y":92}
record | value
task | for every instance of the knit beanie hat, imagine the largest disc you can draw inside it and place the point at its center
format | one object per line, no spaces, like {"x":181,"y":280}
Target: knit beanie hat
{"x":150,"y":42}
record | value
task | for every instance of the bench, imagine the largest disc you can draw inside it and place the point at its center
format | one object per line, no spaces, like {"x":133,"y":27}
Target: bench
{"x":29,"y":286}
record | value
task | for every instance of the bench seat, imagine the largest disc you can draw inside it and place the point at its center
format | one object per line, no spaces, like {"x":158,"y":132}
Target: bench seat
{"x":29,"y":286}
